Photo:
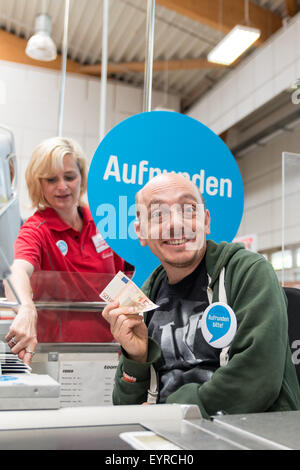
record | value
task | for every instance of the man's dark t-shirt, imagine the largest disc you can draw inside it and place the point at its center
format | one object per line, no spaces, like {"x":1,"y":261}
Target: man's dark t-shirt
{"x":175,"y":326}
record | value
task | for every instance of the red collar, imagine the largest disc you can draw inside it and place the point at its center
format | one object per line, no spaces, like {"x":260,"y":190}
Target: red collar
{"x":55,"y":222}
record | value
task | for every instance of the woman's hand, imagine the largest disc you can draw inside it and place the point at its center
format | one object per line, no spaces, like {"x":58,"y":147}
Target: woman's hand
{"x":22,"y":338}
{"x":128,"y":329}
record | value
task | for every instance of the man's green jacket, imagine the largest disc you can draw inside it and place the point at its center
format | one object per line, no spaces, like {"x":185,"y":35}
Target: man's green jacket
{"x":259,"y":375}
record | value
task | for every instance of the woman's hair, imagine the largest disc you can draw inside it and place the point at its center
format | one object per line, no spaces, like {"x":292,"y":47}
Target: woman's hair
{"x":46,"y":158}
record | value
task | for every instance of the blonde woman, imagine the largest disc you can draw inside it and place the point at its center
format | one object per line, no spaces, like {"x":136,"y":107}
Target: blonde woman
{"x":60,"y":244}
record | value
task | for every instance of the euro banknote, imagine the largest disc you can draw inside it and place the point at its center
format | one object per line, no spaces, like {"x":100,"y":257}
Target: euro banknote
{"x":121,"y":288}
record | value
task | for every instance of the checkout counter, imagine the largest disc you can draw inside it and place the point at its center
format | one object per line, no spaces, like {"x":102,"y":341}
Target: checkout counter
{"x":77,"y":411}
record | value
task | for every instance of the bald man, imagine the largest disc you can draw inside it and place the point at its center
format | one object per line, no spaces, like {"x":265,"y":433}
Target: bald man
{"x":166,"y":355}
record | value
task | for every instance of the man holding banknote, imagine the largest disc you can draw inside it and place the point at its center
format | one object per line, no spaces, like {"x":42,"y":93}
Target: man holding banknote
{"x":219,"y":336}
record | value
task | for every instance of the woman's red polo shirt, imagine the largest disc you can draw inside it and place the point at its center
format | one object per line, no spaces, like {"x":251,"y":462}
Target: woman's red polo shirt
{"x":68,"y":265}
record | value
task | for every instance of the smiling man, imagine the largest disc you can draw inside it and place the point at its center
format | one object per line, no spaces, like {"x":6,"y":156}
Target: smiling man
{"x":253,"y":370}
{"x":173,"y":222}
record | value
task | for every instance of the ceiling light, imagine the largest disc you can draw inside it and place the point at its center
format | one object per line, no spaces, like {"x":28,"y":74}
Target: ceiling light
{"x":237,"y":41}
{"x":40,"y":46}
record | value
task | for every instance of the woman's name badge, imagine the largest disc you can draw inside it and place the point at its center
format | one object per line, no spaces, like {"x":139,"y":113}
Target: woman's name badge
{"x":218,"y":325}
{"x":99,"y":243}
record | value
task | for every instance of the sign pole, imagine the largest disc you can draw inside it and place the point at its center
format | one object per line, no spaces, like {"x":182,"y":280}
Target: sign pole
{"x":149,"y":55}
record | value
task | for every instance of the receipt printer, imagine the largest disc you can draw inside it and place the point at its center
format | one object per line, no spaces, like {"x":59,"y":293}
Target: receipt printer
{"x":28,"y":392}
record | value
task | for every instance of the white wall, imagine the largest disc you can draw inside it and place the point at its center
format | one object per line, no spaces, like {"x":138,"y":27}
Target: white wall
{"x":271,"y":69}
{"x":261,"y":171}
{"x":29,"y":106}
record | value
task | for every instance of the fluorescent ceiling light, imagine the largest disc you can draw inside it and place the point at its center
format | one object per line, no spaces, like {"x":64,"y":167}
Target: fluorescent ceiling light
{"x":40,"y":46}
{"x":237,"y":41}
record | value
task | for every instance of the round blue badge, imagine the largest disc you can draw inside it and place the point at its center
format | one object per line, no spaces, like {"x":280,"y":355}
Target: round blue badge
{"x":218,"y":325}
{"x":62,"y":245}
{"x":146,"y":145}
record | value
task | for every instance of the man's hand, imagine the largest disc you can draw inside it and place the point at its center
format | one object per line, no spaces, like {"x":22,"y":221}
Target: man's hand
{"x":128,"y":329}
{"x":21,"y":337}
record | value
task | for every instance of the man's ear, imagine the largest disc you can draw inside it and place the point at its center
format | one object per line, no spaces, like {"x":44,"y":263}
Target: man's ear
{"x":139,"y":232}
{"x":207,"y":222}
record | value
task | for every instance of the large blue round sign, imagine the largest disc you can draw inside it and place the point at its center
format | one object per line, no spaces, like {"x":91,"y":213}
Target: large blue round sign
{"x":144,"y":146}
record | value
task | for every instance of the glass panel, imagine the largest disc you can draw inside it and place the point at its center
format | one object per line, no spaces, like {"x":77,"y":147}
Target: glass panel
{"x":69,"y":307}
{"x":298,"y":258}
{"x":281,"y":260}
{"x":290,"y":209}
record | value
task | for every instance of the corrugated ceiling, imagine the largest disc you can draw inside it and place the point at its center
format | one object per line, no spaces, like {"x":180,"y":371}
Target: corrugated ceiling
{"x":176,"y":37}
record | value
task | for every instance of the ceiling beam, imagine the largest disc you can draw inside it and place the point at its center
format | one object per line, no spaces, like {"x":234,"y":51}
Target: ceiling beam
{"x":233,"y":12}
{"x":12,"y":49}
{"x":291,"y":7}
{"x":158,"y":66}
